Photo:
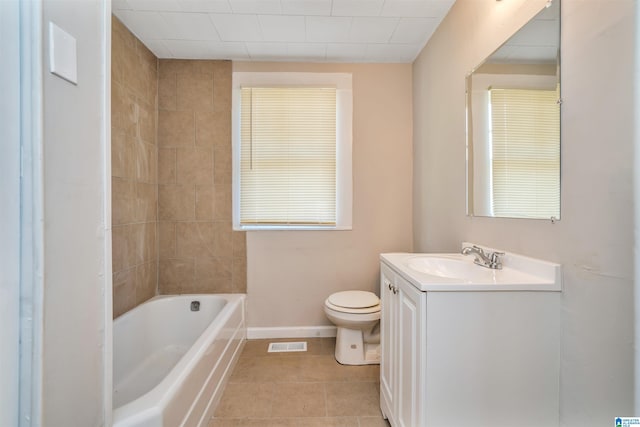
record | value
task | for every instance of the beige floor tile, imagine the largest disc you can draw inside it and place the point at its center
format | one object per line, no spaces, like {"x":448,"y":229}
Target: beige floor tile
{"x":352,"y":399}
{"x":267,"y":422}
{"x":331,"y":371}
{"x":299,"y":400}
{"x":373,"y":422}
{"x":245,"y":400}
{"x":328,"y":422}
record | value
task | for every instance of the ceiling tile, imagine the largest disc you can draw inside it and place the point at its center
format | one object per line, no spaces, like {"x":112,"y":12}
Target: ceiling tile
{"x":356,"y":7}
{"x":266,"y":51}
{"x":416,"y":8}
{"x":189,"y":26}
{"x":372,"y":30}
{"x":256,"y":7}
{"x":237,"y":27}
{"x":328,"y":28}
{"x":145,"y":25}
{"x":306,"y":7}
{"x":414,"y":30}
{"x":340,"y":52}
{"x":306,"y":51}
{"x":208,"y":6}
{"x":155,"y":5}
{"x":158,"y":48}
{"x":228,"y":50}
{"x":392,"y":52}
{"x":282,"y":28}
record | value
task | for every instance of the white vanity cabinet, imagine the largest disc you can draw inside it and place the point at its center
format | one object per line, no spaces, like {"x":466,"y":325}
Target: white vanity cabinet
{"x":403,"y":338}
{"x":467,"y":357}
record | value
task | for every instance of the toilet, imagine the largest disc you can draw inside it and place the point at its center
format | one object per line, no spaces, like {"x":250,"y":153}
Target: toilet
{"x":357,"y":317}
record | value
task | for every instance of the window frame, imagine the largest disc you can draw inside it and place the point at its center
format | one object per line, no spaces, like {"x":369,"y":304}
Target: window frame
{"x":344,"y":117}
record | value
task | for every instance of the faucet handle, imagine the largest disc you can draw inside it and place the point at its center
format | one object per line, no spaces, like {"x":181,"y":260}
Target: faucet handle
{"x":495,"y":259}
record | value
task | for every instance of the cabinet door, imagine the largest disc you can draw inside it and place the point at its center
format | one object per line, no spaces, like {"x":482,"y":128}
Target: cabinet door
{"x":387,"y":342}
{"x":410,"y":347}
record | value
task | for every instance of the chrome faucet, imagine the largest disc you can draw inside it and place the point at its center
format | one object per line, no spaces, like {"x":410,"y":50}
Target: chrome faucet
{"x":489,"y":260}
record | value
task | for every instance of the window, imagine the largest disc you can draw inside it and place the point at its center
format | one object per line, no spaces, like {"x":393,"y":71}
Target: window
{"x":292,"y":151}
{"x":525,"y":153}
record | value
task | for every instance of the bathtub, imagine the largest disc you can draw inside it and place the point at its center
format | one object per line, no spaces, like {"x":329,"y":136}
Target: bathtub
{"x":172,"y":356}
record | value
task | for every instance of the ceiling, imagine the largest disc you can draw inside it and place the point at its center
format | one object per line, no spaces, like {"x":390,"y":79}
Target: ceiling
{"x":284,"y":30}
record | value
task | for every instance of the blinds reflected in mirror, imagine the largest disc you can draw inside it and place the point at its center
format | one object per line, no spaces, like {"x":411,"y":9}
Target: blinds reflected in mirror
{"x":525,"y":153}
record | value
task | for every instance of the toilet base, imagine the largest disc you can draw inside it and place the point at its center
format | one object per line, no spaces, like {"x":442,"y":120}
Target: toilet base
{"x":351,"y":348}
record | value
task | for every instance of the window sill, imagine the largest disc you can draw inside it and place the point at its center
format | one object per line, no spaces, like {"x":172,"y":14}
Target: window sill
{"x":290,"y":228}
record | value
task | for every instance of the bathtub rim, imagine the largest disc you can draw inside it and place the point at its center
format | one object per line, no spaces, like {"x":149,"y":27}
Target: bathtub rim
{"x":151,"y":403}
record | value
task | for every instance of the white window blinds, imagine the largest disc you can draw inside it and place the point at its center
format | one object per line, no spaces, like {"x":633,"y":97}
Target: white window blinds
{"x":288,"y":156}
{"x":525,"y":137}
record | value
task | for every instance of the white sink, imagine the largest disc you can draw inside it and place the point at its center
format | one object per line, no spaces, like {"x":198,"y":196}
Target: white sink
{"x":457,"y":272}
{"x":452,"y":266}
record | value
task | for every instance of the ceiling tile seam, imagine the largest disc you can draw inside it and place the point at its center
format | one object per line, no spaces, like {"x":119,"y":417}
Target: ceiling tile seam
{"x":213,"y":24}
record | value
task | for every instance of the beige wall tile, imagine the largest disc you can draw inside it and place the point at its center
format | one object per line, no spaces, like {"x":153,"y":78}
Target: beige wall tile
{"x":123,"y":249}
{"x":146,"y":162}
{"x":166,"y":166}
{"x":239,"y":274}
{"x":222,"y":204}
{"x":208,"y":277}
{"x":146,"y":202}
{"x":223,"y":239}
{"x":134,"y":169}
{"x":213,"y":129}
{"x":222,"y":92}
{"x":176,"y":128}
{"x":194,"y":166}
{"x":195,"y":92}
{"x":167,"y":92}
{"x":175,"y":274}
{"x":123,"y":201}
{"x":205,"y":202}
{"x":124,"y":109}
{"x":124,"y":291}
{"x":239,"y":244}
{"x":222,"y":165}
{"x":147,"y":122}
{"x":176,"y":202}
{"x":147,"y":57}
{"x":175,"y":66}
{"x":122,"y":155}
{"x":167,"y":239}
{"x":194,"y":239}
{"x":146,"y":281}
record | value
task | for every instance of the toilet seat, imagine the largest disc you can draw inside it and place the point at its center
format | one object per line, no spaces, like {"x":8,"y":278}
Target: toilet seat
{"x":356,"y":302}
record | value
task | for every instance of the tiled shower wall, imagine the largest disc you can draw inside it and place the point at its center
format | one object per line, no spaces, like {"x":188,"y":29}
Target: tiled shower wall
{"x":134,"y":80}
{"x":199,"y":252}
{"x":171,"y":176}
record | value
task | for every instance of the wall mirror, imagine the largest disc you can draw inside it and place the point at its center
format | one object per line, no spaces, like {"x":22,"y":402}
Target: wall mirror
{"x":513,"y":124}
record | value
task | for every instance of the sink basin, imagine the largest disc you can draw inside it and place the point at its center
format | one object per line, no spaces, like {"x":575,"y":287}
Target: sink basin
{"x":449,"y":266}
{"x":457,"y":272}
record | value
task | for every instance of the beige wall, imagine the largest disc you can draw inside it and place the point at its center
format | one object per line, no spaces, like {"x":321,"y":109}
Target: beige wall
{"x":199,"y":252}
{"x":290,"y":273}
{"x":593,"y":240}
{"x":134,"y":155}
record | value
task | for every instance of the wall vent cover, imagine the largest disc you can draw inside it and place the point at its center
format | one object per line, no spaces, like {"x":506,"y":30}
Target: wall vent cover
{"x":285,"y":347}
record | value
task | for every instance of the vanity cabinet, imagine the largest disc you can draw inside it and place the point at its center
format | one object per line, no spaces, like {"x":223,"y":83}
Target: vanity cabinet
{"x":403,"y":340}
{"x":460,"y":358}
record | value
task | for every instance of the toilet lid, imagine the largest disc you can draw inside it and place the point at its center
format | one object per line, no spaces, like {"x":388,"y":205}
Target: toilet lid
{"x":354,"y":299}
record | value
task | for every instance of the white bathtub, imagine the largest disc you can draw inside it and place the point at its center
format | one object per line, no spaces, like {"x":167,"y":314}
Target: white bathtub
{"x":170,"y":363}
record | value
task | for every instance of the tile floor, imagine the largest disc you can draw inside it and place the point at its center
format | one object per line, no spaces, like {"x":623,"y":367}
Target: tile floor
{"x":299,"y":389}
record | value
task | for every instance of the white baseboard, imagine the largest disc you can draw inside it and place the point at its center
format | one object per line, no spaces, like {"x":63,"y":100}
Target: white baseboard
{"x":291,"y":332}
